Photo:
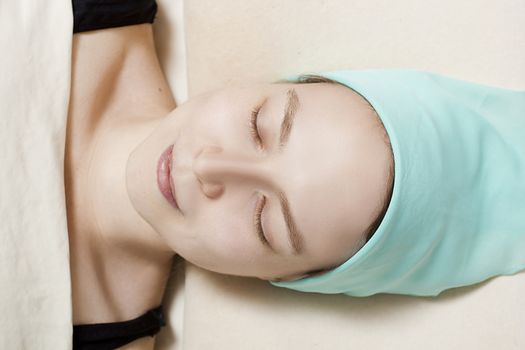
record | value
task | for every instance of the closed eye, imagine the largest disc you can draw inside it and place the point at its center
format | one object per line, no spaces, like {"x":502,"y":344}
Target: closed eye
{"x":257,"y":221}
{"x":253,"y":126}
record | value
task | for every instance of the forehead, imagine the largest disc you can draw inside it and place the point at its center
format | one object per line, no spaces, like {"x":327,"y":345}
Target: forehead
{"x":335,"y":164}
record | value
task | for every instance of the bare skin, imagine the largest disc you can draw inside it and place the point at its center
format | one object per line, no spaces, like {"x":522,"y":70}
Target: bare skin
{"x":124,"y":233}
{"x":116,"y":78}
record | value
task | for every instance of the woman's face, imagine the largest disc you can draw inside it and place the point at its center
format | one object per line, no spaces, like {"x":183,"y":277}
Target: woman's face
{"x":319,"y":180}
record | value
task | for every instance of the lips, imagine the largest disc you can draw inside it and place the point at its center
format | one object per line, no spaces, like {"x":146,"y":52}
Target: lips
{"x":164,"y":177}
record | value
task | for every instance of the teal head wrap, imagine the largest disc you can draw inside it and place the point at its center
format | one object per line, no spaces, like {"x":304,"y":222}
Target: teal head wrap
{"x":457,"y":212}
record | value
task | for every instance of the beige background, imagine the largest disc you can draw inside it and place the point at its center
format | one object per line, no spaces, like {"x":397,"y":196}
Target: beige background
{"x":35,"y":76}
{"x":232,"y":41}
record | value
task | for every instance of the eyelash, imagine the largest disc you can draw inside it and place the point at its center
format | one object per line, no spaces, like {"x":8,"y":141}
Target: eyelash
{"x":258,"y":225}
{"x":253,"y":125}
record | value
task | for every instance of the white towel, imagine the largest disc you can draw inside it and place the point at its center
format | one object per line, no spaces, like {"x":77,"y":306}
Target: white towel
{"x":35,"y":67}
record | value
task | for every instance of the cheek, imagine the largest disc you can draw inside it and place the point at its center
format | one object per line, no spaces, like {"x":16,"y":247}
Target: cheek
{"x":225,"y":226}
{"x":227,"y":238}
{"x":225,"y":248}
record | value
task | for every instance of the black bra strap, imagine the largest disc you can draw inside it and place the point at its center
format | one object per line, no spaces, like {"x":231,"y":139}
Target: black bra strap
{"x":102,"y":336}
{"x":101,"y":14}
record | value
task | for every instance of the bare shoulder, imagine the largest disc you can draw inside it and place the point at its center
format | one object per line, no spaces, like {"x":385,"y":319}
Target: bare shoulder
{"x":115,"y":70}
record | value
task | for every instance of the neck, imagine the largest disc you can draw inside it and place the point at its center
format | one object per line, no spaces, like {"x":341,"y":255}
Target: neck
{"x":119,"y":264}
{"x":113,"y":249}
{"x":116,"y":222}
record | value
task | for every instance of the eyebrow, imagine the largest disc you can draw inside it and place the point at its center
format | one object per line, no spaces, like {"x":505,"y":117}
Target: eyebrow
{"x":292,"y":105}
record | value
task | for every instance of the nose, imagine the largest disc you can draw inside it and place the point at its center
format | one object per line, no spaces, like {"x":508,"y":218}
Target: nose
{"x":215,"y":168}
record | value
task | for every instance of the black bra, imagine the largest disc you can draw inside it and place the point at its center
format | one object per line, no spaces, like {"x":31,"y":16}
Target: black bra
{"x":99,"y":14}
{"x":107,"y":336}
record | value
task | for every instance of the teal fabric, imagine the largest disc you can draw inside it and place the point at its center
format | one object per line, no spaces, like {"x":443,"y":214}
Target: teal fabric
{"x":457,"y":212}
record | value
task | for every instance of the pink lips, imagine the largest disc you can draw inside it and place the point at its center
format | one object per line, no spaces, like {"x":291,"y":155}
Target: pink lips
{"x":164,"y":177}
